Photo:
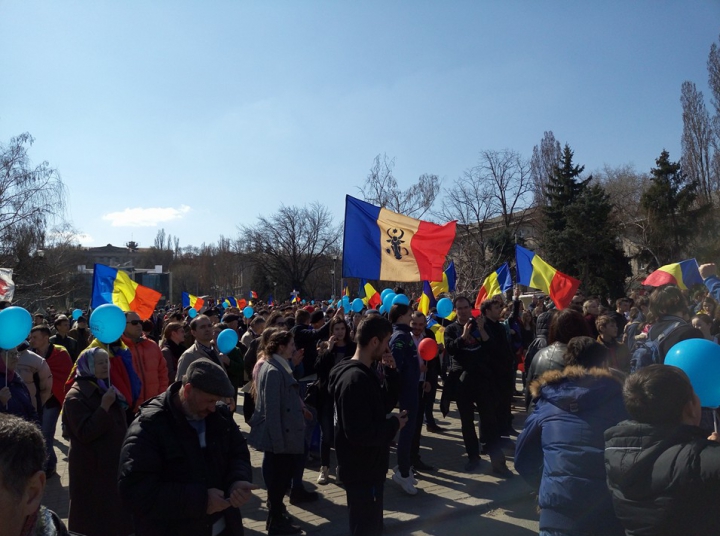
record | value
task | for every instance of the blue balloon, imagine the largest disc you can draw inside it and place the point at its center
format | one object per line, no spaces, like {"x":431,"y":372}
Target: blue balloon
{"x":388,"y":299}
{"x":15,"y":324}
{"x":227,"y":340}
{"x":107,"y":323}
{"x":357,"y":305}
{"x":192,"y":312}
{"x":401,"y":298}
{"x":346,"y":302}
{"x":312,"y":302}
{"x":248,"y":312}
{"x":382,"y":310}
{"x":77,"y":313}
{"x":225,"y":305}
{"x":700,"y":360}
{"x":384,"y":293}
{"x":444,"y":307}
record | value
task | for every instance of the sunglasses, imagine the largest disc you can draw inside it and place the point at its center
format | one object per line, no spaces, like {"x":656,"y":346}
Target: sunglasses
{"x":134,"y":322}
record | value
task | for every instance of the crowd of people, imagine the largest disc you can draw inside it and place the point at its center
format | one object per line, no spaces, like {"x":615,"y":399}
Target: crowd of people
{"x":155,"y":448}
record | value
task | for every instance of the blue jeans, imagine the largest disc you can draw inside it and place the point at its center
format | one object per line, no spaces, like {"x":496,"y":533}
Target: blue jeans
{"x":49,"y":424}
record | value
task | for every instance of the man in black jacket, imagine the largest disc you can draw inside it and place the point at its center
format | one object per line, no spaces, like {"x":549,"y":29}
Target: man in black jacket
{"x":472,"y":370}
{"x":669,"y":313}
{"x":184,"y":465}
{"x":364,"y":426}
{"x":662,"y":470}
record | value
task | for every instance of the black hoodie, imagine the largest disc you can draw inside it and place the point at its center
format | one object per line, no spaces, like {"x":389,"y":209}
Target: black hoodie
{"x":363,"y":430}
{"x":664,"y":481}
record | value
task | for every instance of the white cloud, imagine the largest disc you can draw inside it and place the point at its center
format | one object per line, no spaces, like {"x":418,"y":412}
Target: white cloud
{"x":69,"y":237}
{"x":145,"y":217}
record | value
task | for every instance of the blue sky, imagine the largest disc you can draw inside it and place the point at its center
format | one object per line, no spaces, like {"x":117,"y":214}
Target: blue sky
{"x":199,"y":116}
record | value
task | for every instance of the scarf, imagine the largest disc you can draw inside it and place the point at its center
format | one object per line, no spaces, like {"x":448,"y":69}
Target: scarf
{"x":85,"y":368}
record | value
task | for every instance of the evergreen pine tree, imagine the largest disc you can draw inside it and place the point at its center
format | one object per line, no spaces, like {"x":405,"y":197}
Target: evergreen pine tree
{"x":579,"y":239}
{"x":669,"y":205}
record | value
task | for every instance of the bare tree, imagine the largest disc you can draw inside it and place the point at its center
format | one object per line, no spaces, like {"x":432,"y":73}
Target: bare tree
{"x":489,"y":202}
{"x":625,"y":187}
{"x":47,"y":274}
{"x":292,"y":244}
{"x":545,"y":158}
{"x":381,"y":189}
{"x":30,"y":196}
{"x":697,"y":143}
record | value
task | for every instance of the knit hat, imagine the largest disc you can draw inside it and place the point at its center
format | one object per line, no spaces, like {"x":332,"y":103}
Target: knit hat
{"x":206,"y":376}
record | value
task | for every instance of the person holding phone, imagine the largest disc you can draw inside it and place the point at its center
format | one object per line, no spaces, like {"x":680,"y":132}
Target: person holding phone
{"x":364,"y":424}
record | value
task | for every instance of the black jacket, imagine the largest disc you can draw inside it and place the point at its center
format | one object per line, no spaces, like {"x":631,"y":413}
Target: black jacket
{"x":664,"y":481}
{"x":682,"y":332}
{"x":165,"y":475}
{"x":326,"y":361}
{"x":307,"y":338}
{"x":363,"y":431}
{"x":464,"y":357}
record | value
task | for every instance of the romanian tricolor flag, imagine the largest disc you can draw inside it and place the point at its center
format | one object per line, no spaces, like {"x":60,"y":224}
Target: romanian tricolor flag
{"x":271,"y":301}
{"x":295,"y":295}
{"x":438,"y":330}
{"x":427,"y":299}
{"x":534,"y":272}
{"x":253,"y":295}
{"x":114,"y":286}
{"x":448,"y":281}
{"x":369,"y":296}
{"x":383,"y":245}
{"x":241,"y":303}
{"x":684,"y":274}
{"x":188,"y":300}
{"x":496,"y":283}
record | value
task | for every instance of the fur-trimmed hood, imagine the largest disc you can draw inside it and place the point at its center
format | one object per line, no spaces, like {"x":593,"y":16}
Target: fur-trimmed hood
{"x":576,"y":387}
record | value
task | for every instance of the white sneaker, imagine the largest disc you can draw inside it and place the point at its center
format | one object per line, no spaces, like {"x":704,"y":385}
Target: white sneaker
{"x":323,"y":477}
{"x":396,"y":469}
{"x":405,"y":483}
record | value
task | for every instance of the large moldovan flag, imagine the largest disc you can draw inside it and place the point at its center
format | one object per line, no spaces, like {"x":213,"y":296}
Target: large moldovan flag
{"x":386,"y":246}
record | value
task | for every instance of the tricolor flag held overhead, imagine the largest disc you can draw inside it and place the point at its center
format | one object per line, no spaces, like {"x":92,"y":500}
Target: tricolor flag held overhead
{"x":448,"y":281}
{"x":369,"y":295}
{"x":383,"y":245}
{"x":271,"y":301}
{"x":534,"y":272}
{"x":684,"y":274}
{"x":427,"y":299}
{"x":111,"y":285}
{"x":188,"y":300}
{"x":496,"y":283}
{"x":253,"y":295}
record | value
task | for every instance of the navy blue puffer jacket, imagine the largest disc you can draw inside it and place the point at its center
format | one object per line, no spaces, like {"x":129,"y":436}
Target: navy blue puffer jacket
{"x":560,"y":451}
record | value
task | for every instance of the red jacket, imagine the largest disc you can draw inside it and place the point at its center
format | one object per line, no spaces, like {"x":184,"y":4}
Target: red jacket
{"x":58,"y":359}
{"x":150,"y":366}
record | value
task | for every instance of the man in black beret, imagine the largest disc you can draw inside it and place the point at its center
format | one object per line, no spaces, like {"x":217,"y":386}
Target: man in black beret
{"x":184,"y":464}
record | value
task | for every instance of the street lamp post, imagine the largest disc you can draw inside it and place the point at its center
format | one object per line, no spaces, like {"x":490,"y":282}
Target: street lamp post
{"x":333,"y":276}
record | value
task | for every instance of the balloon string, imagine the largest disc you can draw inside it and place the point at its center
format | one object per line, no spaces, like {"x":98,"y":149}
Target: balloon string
{"x":715,"y":419}
{"x":5,"y":357}
{"x":107,"y":349}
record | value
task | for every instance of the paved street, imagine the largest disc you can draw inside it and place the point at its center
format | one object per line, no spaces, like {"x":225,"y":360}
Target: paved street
{"x":449,"y":500}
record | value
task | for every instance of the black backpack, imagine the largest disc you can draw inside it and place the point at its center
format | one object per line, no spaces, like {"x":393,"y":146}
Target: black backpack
{"x":647,"y":352}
